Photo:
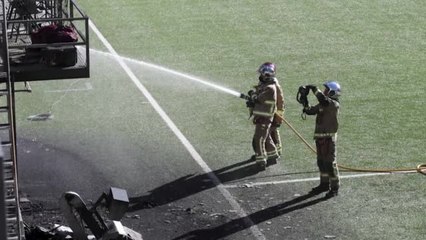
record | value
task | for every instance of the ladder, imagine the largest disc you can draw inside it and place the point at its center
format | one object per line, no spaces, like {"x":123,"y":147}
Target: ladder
{"x":10,"y":171}
{"x":10,"y":214}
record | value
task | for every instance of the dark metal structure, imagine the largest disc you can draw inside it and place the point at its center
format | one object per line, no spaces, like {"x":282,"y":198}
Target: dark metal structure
{"x":83,"y":219}
{"x":22,"y":60}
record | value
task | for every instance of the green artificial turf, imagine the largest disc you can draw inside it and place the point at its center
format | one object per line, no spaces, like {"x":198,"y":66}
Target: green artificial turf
{"x":376,"y":50}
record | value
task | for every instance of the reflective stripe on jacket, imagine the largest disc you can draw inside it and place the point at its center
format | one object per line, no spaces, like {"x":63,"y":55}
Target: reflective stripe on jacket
{"x":265,"y":104}
{"x":266,"y":109}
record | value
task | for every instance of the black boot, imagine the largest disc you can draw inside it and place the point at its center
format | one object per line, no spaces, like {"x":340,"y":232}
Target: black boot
{"x":323,"y":187}
{"x":332,"y":193}
{"x":261,"y":164}
{"x":272,"y":160}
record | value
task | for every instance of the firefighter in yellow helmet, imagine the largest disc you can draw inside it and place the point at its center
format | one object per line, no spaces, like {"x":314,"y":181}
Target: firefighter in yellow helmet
{"x":326,"y":126}
{"x":263,"y":106}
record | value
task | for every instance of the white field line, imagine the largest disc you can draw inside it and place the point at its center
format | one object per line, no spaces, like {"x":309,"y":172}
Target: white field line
{"x":195,"y":155}
{"x":87,"y":88}
{"x":253,"y":184}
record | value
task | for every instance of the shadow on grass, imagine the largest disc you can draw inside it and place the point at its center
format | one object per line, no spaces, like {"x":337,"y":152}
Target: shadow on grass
{"x":192,"y":184}
{"x":243,"y":223}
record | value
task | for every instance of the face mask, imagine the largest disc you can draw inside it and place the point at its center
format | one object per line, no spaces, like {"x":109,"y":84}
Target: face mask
{"x":326,"y":91}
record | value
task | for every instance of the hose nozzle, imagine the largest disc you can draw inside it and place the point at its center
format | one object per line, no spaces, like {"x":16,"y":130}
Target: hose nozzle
{"x":243,"y":96}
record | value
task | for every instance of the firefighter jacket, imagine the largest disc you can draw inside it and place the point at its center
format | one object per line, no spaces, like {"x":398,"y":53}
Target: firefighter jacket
{"x":326,"y":123}
{"x":279,"y":103}
{"x":265,"y":103}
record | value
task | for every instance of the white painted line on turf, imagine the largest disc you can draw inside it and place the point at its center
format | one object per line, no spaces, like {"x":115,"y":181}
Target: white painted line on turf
{"x":195,"y":155}
{"x":87,"y":88}
{"x":253,"y":184}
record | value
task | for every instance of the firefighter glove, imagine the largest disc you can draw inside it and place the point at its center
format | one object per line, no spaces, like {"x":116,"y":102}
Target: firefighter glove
{"x":251,"y":93}
{"x":305,"y":109}
{"x":250,"y":103}
{"x":278,"y":118}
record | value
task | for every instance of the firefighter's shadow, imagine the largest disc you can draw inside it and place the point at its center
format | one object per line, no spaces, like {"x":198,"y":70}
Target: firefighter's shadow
{"x":243,"y":223}
{"x":192,"y":184}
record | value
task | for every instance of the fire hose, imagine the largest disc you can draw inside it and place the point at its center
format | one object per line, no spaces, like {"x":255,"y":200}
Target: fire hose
{"x":421,"y":168}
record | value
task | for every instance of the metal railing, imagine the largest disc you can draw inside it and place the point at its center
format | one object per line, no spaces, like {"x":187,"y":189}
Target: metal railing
{"x":11,"y":223}
{"x":68,"y":14}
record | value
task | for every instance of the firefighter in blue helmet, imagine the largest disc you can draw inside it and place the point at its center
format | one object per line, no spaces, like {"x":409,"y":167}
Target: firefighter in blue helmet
{"x":326,"y":126}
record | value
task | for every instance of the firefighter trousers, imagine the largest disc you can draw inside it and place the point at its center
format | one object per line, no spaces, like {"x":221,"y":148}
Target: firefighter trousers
{"x":263,"y":144}
{"x":326,"y":160}
{"x":276,"y":138}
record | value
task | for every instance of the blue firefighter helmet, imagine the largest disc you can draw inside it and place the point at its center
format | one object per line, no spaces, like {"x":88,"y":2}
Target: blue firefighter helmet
{"x":333,"y":88}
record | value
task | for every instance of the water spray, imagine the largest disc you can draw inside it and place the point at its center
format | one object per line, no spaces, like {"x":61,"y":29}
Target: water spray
{"x":180,"y":74}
